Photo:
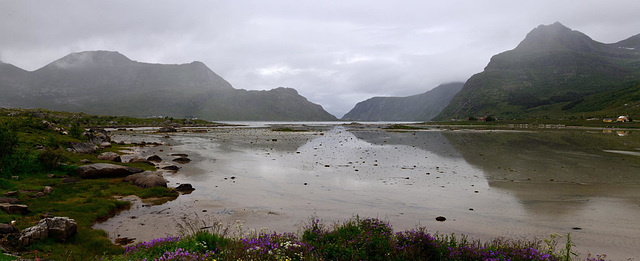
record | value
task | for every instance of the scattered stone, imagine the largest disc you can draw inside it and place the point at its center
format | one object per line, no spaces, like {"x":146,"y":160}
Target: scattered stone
{"x":441,"y":219}
{"x":11,"y":193}
{"x":171,"y":167}
{"x":274,"y":139}
{"x":576,"y":228}
{"x":85,"y":161}
{"x":186,"y":187}
{"x":7,"y":229}
{"x":110,"y":156}
{"x":147,"y":179}
{"x":9,"y":200}
{"x":51,"y":176}
{"x":141,"y":160}
{"x":83,"y":147}
{"x":105,"y":170}
{"x":69,"y":180}
{"x":105,"y":144}
{"x":38,"y":195}
{"x":179,"y":155}
{"x":154,"y":158}
{"x":47,"y":190}
{"x":182,"y":160}
{"x":47,"y":215}
{"x":123,"y":241}
{"x":59,"y":228}
{"x":326,"y":166}
{"x":470,"y":209}
{"x":14,"y":208}
{"x":38,"y":147}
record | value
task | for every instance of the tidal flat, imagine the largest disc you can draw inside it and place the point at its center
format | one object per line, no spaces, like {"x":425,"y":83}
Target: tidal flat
{"x":515,"y":183}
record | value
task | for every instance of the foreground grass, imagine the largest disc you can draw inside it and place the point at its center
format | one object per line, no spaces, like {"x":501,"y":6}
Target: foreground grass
{"x":355,"y":239}
{"x":34,"y":155}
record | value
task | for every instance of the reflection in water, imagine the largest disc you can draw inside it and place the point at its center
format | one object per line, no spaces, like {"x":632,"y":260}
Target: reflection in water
{"x":487,"y":183}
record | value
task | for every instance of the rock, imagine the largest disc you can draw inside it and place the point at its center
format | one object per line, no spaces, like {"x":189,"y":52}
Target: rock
{"x":179,"y":155}
{"x":105,"y":144}
{"x":110,"y":156}
{"x":182,"y":160}
{"x":441,"y":218}
{"x":141,"y":160}
{"x":105,"y":170}
{"x":47,"y":190}
{"x":14,"y":208}
{"x":59,"y":228}
{"x":147,"y":179}
{"x":171,"y":167}
{"x":85,"y":161}
{"x":167,"y":129}
{"x":84,"y":147}
{"x":11,"y":193}
{"x":186,"y":187}
{"x":7,"y":229}
{"x":154,"y":158}
{"x":9,"y":200}
{"x":98,"y":136}
{"x":123,"y":241}
{"x":69,"y":180}
{"x":38,"y":195}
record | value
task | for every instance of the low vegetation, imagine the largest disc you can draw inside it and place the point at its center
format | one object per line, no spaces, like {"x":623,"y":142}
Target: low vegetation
{"x":355,"y":239}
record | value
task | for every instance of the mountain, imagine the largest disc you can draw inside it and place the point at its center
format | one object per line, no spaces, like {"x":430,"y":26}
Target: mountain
{"x":104,"y":82}
{"x":420,"y":107}
{"x":552,"y":67}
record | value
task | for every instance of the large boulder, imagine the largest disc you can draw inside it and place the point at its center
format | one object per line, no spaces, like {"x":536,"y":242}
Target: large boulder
{"x":110,"y":156}
{"x":59,"y":228}
{"x":84,"y":147}
{"x":147,"y":179}
{"x":98,"y":136}
{"x":105,"y":170}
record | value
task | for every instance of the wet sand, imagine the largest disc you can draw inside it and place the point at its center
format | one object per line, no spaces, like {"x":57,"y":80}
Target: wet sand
{"x":278,"y":180}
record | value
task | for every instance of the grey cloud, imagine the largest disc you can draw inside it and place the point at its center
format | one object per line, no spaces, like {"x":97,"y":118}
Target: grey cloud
{"x":335,"y":53}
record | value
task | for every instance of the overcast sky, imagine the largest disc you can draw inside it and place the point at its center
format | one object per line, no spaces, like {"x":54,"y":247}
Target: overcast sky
{"x":335,"y":53}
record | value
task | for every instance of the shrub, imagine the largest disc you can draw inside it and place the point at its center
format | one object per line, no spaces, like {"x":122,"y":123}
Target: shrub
{"x":8,"y":142}
{"x":51,"y":158}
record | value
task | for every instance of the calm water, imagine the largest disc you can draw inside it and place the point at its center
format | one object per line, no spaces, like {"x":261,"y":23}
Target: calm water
{"x":486,"y":183}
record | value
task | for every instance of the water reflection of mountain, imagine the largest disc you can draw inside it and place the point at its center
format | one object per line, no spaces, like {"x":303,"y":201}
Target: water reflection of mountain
{"x":554,"y":170}
{"x":431,"y":141}
{"x":560,"y":156}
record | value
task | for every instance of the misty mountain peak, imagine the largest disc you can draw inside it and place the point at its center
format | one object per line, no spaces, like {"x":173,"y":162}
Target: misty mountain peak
{"x":91,"y":59}
{"x":556,"y":36}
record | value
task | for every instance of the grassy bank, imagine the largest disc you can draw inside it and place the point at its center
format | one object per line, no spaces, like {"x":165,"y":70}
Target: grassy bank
{"x":34,"y":155}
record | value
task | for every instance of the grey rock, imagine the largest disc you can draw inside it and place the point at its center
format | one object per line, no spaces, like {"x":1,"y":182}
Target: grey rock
{"x":7,"y":229}
{"x":11,"y":193}
{"x":186,"y":187}
{"x":83,"y":147}
{"x":167,"y":129}
{"x":9,"y":200}
{"x":171,"y":167}
{"x":105,"y":170}
{"x":105,"y":144}
{"x":14,"y":208}
{"x":47,"y":190}
{"x":147,"y":179}
{"x":140,"y":160}
{"x":182,"y":160}
{"x":154,"y":158}
{"x":59,"y":228}
{"x":110,"y":156}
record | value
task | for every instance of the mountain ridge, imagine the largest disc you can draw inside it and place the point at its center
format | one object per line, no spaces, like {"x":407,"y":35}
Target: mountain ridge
{"x":107,"y":82}
{"x":552,"y":66}
{"x":419,"y":107}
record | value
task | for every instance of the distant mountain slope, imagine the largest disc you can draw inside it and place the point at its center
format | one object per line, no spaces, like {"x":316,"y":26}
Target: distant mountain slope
{"x":103,"y":82}
{"x":421,"y":107}
{"x":552,"y":66}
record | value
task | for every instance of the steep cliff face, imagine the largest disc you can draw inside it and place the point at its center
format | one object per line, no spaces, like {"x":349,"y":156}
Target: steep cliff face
{"x":103,"y":82}
{"x":420,"y":107}
{"x":552,"y":66}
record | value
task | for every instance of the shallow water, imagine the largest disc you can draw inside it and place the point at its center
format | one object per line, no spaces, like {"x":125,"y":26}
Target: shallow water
{"x":486,"y":183}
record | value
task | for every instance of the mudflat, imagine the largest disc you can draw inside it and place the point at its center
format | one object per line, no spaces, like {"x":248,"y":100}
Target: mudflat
{"x":487,"y":183}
